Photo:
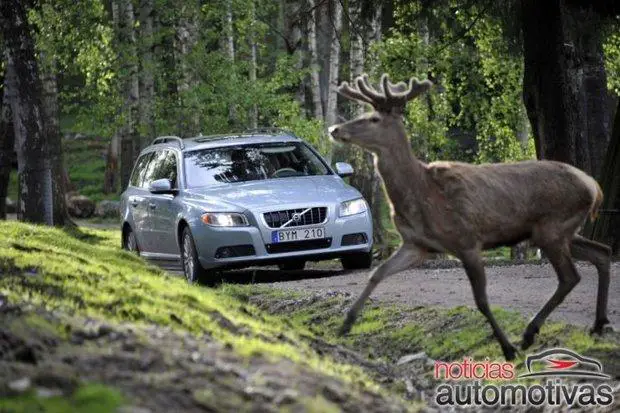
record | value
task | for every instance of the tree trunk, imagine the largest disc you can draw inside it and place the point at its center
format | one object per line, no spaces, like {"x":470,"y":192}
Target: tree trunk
{"x":607,"y":227}
{"x":129,"y":135}
{"x":185,"y":41}
{"x":331,"y":112}
{"x":7,"y":150}
{"x":564,"y":82}
{"x":230,"y":51}
{"x":315,"y":84}
{"x":24,"y":93}
{"x":147,"y":83}
{"x":253,"y":115}
{"x":110,"y":178}
{"x":54,"y":139}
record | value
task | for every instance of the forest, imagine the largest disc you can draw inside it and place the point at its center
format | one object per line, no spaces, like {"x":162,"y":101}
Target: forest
{"x":88,"y":326}
{"x":513,"y":81}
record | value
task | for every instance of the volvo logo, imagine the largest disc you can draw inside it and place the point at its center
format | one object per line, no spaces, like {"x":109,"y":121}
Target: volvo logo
{"x":296,"y":217}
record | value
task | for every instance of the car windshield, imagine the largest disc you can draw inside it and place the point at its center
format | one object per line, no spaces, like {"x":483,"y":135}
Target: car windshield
{"x":253,"y":162}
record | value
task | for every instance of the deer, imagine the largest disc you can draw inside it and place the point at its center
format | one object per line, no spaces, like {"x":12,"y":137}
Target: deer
{"x":463,"y":209}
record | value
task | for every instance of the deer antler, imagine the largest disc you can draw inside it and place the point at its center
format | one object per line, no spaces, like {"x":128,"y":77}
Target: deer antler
{"x":390,"y":97}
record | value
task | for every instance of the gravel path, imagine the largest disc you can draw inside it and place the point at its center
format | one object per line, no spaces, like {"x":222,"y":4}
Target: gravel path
{"x":523,"y":288}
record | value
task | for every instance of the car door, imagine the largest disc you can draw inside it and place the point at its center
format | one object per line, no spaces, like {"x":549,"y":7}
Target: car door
{"x":137,"y":200}
{"x":163,"y":208}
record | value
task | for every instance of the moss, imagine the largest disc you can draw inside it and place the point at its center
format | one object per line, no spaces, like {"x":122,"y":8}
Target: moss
{"x":92,"y":398}
{"x":389,"y":332}
{"x":84,"y":271}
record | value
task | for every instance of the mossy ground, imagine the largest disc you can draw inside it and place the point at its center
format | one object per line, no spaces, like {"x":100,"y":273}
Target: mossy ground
{"x":388,"y":332}
{"x":61,"y":280}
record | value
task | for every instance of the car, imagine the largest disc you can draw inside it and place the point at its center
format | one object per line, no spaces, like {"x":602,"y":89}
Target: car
{"x":262,"y":197}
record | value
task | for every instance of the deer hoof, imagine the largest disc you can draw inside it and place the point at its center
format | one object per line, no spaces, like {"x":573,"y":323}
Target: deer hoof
{"x":600,"y":327}
{"x":528,"y":338}
{"x":510,"y":352}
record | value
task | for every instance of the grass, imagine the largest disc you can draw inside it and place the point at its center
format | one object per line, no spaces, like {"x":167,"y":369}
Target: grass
{"x":91,"y":398}
{"x":84,"y":272}
{"x":389,"y":331}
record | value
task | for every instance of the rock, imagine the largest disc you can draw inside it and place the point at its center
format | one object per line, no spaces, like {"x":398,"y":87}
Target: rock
{"x":411,"y":357}
{"x":20,"y":385}
{"x":11,"y":206}
{"x":80,"y":206}
{"x":108,"y":209}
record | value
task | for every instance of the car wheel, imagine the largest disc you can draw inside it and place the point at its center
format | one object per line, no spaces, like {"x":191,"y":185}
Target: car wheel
{"x":131,"y":243}
{"x":357,"y":261}
{"x":189,"y":258}
{"x":293,"y":265}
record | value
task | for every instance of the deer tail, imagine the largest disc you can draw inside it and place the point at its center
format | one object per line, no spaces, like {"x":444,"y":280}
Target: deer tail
{"x":594,"y":211}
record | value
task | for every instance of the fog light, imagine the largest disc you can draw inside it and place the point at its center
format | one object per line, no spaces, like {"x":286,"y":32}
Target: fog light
{"x":235,"y":251}
{"x":354,"y":239}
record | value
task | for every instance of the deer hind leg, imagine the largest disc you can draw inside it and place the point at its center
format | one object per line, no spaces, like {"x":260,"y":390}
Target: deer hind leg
{"x":407,"y":256}
{"x":474,"y":268}
{"x":568,"y":278}
{"x":600,"y":256}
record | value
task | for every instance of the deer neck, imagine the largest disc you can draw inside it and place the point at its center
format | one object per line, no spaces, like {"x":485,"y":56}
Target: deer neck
{"x":403,"y":174}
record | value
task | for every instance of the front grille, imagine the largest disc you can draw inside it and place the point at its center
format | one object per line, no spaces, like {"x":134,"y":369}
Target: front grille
{"x":313,"y":244}
{"x":275,"y":219}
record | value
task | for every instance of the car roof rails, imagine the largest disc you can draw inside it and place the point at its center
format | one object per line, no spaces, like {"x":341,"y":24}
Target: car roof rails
{"x":165,"y":139}
{"x":268,"y":129}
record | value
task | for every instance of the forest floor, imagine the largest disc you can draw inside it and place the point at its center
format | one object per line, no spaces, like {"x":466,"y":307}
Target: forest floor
{"x":87,"y":327}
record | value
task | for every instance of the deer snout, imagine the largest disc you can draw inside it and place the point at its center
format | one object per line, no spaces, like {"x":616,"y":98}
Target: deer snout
{"x":335,"y":132}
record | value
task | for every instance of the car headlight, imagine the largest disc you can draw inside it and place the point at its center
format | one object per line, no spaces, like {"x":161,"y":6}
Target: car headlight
{"x":225,"y":219}
{"x":353,"y":207}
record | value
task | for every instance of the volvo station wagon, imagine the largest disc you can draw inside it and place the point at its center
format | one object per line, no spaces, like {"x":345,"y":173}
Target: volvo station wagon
{"x":257,"y":198}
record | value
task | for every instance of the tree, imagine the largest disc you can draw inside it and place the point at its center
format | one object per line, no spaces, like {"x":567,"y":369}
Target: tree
{"x":607,"y":227}
{"x":564,"y":84}
{"x":24,"y":93}
{"x":130,"y":84}
{"x":7,"y":144}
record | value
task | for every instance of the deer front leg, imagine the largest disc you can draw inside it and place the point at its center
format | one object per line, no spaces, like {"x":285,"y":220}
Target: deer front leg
{"x":407,"y":256}
{"x":599,"y":255}
{"x":472,"y":262}
{"x":568,"y":278}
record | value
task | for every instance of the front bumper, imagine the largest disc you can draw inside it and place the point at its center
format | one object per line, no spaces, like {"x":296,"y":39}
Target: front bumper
{"x":210,"y":240}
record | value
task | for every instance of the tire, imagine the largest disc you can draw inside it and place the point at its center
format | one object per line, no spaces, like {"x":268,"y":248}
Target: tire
{"x":293,"y":265}
{"x":194,"y":273}
{"x":357,"y":261}
{"x":130,"y":243}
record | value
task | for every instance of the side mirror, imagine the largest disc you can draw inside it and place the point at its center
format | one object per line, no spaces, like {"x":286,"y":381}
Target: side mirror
{"x":344,"y":169}
{"x":162,"y":186}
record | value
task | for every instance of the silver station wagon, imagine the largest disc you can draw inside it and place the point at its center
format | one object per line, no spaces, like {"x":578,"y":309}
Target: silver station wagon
{"x":257,"y":198}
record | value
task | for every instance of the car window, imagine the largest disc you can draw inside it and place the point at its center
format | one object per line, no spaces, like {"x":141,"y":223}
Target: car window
{"x":163,"y":165}
{"x":253,"y":162}
{"x":137,"y":177}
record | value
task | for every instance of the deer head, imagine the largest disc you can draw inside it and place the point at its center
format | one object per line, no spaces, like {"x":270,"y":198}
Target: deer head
{"x":376,"y":129}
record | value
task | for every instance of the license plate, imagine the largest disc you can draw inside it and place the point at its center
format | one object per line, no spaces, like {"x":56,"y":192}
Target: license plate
{"x":291,"y":235}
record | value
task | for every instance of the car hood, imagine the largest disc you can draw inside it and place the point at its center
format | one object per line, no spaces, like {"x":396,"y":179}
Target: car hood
{"x":277,"y":192}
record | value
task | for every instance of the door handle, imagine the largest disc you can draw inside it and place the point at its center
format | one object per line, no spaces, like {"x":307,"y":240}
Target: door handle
{"x":152,"y":205}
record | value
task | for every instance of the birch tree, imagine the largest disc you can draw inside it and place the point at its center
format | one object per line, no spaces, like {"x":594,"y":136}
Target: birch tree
{"x":24,"y":94}
{"x":130,"y":88}
{"x":315,"y":85}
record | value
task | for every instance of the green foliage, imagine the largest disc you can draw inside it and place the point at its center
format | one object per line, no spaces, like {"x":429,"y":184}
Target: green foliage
{"x":611,"y":47}
{"x":478,"y":88}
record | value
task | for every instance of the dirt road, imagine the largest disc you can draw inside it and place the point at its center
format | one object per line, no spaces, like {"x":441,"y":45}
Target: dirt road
{"x":523,"y":288}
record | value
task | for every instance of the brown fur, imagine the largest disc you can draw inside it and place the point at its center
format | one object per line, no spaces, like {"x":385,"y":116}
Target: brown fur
{"x":463,"y":209}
